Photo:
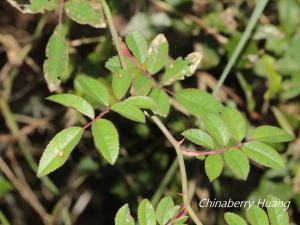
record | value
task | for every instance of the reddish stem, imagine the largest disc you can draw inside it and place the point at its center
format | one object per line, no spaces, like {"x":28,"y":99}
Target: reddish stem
{"x":103,"y":113}
{"x":192,"y":153}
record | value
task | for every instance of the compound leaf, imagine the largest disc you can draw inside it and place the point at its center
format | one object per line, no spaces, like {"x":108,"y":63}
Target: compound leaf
{"x":59,"y":149}
{"x":106,"y":139}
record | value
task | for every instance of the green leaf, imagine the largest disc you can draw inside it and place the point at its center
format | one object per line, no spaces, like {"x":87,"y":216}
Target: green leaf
{"x":157,"y":54}
{"x":235,"y":123}
{"x":137,"y":45}
{"x":216,"y":127}
{"x":289,"y":11}
{"x":94,"y":89}
{"x":106,"y":139}
{"x":74,"y":102}
{"x":129,"y":111}
{"x":57,"y":54}
{"x":59,"y":149}
{"x":142,"y":85}
{"x":123,"y":216}
{"x":237,"y":162}
{"x":176,"y":71}
{"x":263,"y":154}
{"x":143,"y":102}
{"x":198,"y":102}
{"x":121,"y":82}
{"x":213,"y":166}
{"x":38,"y":5}
{"x":35,"y":6}
{"x":5,"y":186}
{"x":266,"y":68}
{"x":234,"y":219}
{"x":165,"y":210}
{"x":199,"y":137}
{"x":162,"y":101}
{"x":114,"y":64}
{"x":146,"y":213}
{"x":278,"y":215}
{"x":268,"y":133}
{"x":257,"y":216}
{"x":85,"y":12}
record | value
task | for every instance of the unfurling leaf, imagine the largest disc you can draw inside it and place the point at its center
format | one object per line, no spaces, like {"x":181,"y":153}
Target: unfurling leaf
{"x":129,"y":111}
{"x":263,"y":154}
{"x":199,"y":137}
{"x":59,"y":149}
{"x":198,"y":102}
{"x":216,"y":127}
{"x":235,"y":123}
{"x":106,"y":139}
{"x":146,"y":213}
{"x":85,"y":12}
{"x":74,"y":102}
{"x":137,"y":45}
{"x":234,"y":219}
{"x":157,"y":54}
{"x":123,"y":216}
{"x":162,"y":101}
{"x":271,"y":134}
{"x":213,"y":166}
{"x":94,"y":89}
{"x":57,"y":54}
{"x":237,"y":162}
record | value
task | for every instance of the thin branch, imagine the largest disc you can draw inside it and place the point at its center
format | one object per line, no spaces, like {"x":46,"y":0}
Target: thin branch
{"x":155,"y":119}
{"x":103,"y":113}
